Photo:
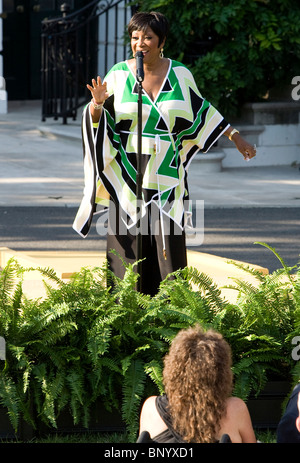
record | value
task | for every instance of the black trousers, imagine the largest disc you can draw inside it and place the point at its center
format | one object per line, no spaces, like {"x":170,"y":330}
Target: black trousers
{"x":156,"y":265}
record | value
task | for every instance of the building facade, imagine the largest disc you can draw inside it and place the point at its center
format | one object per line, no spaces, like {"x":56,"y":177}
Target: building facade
{"x":20,"y":42}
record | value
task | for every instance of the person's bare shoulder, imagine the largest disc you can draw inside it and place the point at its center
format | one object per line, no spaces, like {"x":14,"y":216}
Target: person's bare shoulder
{"x":238,"y":415}
{"x":149,"y":403}
{"x":236,"y":405}
{"x":237,"y":409}
{"x":150,"y":419}
{"x":148,"y":409}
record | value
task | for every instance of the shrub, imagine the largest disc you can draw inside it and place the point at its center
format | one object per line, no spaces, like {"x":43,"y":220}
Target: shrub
{"x":238,"y":51}
{"x":84,"y":342}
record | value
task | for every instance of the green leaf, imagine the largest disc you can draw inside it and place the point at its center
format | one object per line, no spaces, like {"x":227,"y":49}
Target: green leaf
{"x":133,"y":388}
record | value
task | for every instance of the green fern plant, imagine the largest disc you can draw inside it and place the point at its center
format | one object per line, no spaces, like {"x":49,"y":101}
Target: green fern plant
{"x":86,"y":342}
{"x":81,"y":343}
{"x":269,"y":320}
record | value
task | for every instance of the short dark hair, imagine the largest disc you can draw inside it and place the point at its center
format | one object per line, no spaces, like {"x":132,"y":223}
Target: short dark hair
{"x":155,"y":20}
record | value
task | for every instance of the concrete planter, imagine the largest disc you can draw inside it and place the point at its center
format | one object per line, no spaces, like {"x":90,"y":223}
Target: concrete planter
{"x":101,"y":420}
{"x":266,"y":409}
{"x":7,"y":433}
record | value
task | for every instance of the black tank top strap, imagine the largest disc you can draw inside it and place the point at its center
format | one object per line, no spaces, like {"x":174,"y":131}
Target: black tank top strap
{"x":170,"y":435}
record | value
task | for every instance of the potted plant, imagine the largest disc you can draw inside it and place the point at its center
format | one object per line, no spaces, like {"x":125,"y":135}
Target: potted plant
{"x":86,"y":344}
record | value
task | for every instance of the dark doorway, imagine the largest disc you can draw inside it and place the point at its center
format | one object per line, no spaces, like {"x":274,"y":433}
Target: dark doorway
{"x":22,"y":43}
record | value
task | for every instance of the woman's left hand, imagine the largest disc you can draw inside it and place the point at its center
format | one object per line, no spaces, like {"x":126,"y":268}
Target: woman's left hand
{"x":247,"y":150}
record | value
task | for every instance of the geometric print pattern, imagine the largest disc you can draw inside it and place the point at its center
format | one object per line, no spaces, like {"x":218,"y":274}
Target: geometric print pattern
{"x":174,"y":127}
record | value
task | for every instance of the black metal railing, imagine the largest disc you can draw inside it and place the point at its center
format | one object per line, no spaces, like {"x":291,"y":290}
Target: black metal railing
{"x":71,"y":51}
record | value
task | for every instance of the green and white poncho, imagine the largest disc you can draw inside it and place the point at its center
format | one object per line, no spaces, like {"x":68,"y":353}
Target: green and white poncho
{"x":174,"y":127}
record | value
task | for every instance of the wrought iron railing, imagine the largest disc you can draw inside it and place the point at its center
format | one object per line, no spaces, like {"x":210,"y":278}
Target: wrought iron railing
{"x":75,"y":49}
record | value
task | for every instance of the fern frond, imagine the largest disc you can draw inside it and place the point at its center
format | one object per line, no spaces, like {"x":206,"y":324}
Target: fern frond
{"x":75,"y":380}
{"x":47,"y":272}
{"x":9,"y":398}
{"x":242,"y":286}
{"x":286,"y":268}
{"x":11,"y":277}
{"x":154,"y":369}
{"x":98,"y":341}
{"x":22,"y":364}
{"x":248,"y":377}
{"x":211,"y":292}
{"x":111,"y":364}
{"x":133,"y":388}
{"x":248,"y":269}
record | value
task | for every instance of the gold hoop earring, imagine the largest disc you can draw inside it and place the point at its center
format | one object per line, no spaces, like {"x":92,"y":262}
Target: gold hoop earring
{"x":161,"y":54}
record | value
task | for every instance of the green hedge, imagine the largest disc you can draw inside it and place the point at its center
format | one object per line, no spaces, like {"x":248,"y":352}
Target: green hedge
{"x":248,"y":47}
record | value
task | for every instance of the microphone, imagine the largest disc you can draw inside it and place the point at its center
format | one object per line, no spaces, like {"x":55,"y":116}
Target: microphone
{"x":139,"y":66}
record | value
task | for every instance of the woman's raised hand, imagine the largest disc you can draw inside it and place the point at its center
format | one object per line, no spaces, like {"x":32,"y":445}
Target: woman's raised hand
{"x":98,"y":90}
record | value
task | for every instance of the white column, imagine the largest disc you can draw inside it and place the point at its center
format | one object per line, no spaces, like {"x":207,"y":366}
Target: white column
{"x":3,"y":93}
{"x":111,"y":37}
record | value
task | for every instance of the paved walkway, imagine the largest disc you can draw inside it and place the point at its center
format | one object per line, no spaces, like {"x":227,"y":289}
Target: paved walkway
{"x":41,"y":164}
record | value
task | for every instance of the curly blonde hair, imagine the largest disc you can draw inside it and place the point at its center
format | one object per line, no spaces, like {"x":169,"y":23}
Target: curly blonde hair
{"x":198,"y":381}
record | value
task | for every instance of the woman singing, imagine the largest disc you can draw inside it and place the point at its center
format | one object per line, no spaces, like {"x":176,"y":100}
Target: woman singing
{"x":176,"y":122}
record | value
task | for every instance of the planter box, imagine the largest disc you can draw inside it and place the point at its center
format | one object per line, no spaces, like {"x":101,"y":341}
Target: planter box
{"x":101,"y":420}
{"x":25,"y":431}
{"x":266,"y":409}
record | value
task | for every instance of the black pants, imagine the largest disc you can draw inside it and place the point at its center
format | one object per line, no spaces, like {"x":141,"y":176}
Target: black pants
{"x":155,"y":266}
